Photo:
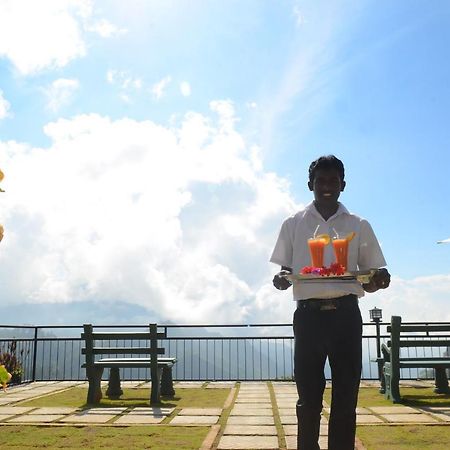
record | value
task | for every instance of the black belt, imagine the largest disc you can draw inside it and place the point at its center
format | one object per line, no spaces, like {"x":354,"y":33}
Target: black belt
{"x":328,"y":304}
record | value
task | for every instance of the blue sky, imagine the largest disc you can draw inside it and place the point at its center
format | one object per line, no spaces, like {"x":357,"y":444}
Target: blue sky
{"x":151,"y":150}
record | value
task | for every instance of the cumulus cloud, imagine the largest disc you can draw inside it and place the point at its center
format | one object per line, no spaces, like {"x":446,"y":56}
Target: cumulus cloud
{"x":60,"y":93}
{"x":4,"y":106}
{"x":417,"y":299}
{"x":159,"y":87}
{"x":179,"y":219}
{"x":46,"y":33}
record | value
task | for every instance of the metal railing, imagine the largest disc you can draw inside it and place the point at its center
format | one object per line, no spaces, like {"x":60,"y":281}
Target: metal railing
{"x":203,"y":352}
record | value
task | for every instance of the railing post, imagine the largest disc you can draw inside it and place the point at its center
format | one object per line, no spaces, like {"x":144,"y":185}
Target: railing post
{"x":33,"y":377}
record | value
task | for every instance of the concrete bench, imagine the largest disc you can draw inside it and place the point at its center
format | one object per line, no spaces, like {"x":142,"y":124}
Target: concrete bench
{"x":95,"y":362}
{"x":406,"y":336}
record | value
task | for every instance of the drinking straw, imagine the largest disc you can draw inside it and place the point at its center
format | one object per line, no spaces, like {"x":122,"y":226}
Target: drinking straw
{"x":337,"y":234}
{"x":316,"y":230}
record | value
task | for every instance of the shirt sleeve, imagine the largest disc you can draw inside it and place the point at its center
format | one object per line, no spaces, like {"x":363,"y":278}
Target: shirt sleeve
{"x":282,"y":253}
{"x":370,"y":254}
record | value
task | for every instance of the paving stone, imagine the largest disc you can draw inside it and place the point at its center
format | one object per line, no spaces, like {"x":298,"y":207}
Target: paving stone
{"x":286,"y":411}
{"x":251,"y":430}
{"x":291,"y":430}
{"x":221,"y":385}
{"x":185,"y":385}
{"x":114,"y":410}
{"x":409,"y":418}
{"x":248,"y":442}
{"x":266,"y":405}
{"x":200,"y":412}
{"x":363,"y":411}
{"x":291,"y":442}
{"x":436,"y":408}
{"x":139,"y":419}
{"x":443,"y":417}
{"x":15,"y":409}
{"x":194,"y":420}
{"x":367,"y":418}
{"x":323,"y":442}
{"x":36,"y":418}
{"x":393,"y":410}
{"x":250,"y":412}
{"x":88,"y":418}
{"x":259,"y":400}
{"x":251,"y":420}
{"x":55,"y":410}
{"x":4,"y":401}
{"x":288,"y":420}
{"x":152,"y":411}
{"x":5,"y":416}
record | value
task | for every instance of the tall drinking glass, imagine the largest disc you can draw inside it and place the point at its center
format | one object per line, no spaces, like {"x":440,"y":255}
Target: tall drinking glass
{"x":316,"y":249}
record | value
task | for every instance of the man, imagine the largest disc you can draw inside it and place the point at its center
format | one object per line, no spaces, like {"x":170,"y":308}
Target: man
{"x":327,"y":321}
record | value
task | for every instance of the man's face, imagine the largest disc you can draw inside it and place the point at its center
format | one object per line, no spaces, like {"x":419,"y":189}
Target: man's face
{"x":327,"y":186}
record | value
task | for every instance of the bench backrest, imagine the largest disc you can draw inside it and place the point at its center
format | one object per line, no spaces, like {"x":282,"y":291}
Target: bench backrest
{"x":400,"y":332}
{"x":94,"y":342}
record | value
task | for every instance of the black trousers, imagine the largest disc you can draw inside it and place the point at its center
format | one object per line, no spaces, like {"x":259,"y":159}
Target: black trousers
{"x":336,"y":334}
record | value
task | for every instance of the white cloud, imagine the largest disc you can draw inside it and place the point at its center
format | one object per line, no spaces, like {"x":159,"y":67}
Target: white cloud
{"x":159,"y":87}
{"x":417,"y":299}
{"x":60,"y":93}
{"x":185,"y":89}
{"x":105,"y":29}
{"x":298,"y":15}
{"x":123,"y":79}
{"x":4,"y":106}
{"x":179,"y":219}
{"x":46,"y":33}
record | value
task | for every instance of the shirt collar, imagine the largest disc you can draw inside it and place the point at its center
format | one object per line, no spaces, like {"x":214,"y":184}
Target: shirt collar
{"x":311,"y":209}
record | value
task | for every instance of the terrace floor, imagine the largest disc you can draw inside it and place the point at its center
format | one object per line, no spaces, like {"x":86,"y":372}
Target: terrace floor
{"x":259,"y":415}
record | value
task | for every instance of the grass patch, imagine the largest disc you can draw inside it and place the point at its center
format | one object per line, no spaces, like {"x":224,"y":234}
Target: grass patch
{"x":86,"y":437}
{"x":414,"y":396}
{"x":405,"y":437}
{"x":134,"y":397}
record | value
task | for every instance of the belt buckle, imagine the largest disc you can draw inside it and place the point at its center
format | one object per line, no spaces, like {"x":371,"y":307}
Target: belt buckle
{"x":328,"y":306}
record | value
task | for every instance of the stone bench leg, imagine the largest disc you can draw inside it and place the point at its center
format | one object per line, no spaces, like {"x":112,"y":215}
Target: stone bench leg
{"x":114,"y":390}
{"x":441,"y":381}
{"x":167,"y":389}
{"x":95,"y":390}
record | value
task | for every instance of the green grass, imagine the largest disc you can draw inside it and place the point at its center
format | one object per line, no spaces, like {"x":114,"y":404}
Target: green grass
{"x":401,"y":437}
{"x":133,"y":397}
{"x":411,"y":397}
{"x":90,"y":437}
{"x":405,"y":437}
{"x":157,"y":437}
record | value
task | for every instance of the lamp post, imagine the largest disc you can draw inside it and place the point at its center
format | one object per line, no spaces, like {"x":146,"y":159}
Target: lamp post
{"x":376,"y":315}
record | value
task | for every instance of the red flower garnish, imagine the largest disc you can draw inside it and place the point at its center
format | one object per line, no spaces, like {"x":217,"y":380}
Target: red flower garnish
{"x":334,"y":269}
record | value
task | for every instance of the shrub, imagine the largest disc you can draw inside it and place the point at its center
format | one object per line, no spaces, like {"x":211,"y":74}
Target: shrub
{"x":8,"y":357}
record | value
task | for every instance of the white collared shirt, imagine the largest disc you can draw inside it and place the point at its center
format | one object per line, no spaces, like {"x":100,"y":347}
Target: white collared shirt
{"x":291,"y":250}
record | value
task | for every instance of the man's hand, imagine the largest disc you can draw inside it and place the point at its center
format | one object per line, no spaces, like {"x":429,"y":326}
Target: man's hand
{"x":380,"y":280}
{"x":279,"y":281}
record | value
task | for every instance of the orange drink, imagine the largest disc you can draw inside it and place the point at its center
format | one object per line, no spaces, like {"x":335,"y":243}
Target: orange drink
{"x":316,"y":247}
{"x":340,"y":247}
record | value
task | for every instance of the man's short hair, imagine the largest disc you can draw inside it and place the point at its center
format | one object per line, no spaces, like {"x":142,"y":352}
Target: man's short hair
{"x":326,"y":162}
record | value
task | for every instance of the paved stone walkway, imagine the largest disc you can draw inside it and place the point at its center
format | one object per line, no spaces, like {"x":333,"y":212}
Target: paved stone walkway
{"x":262,"y":415}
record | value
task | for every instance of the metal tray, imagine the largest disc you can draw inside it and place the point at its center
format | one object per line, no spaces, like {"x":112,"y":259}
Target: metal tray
{"x":363,"y":276}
